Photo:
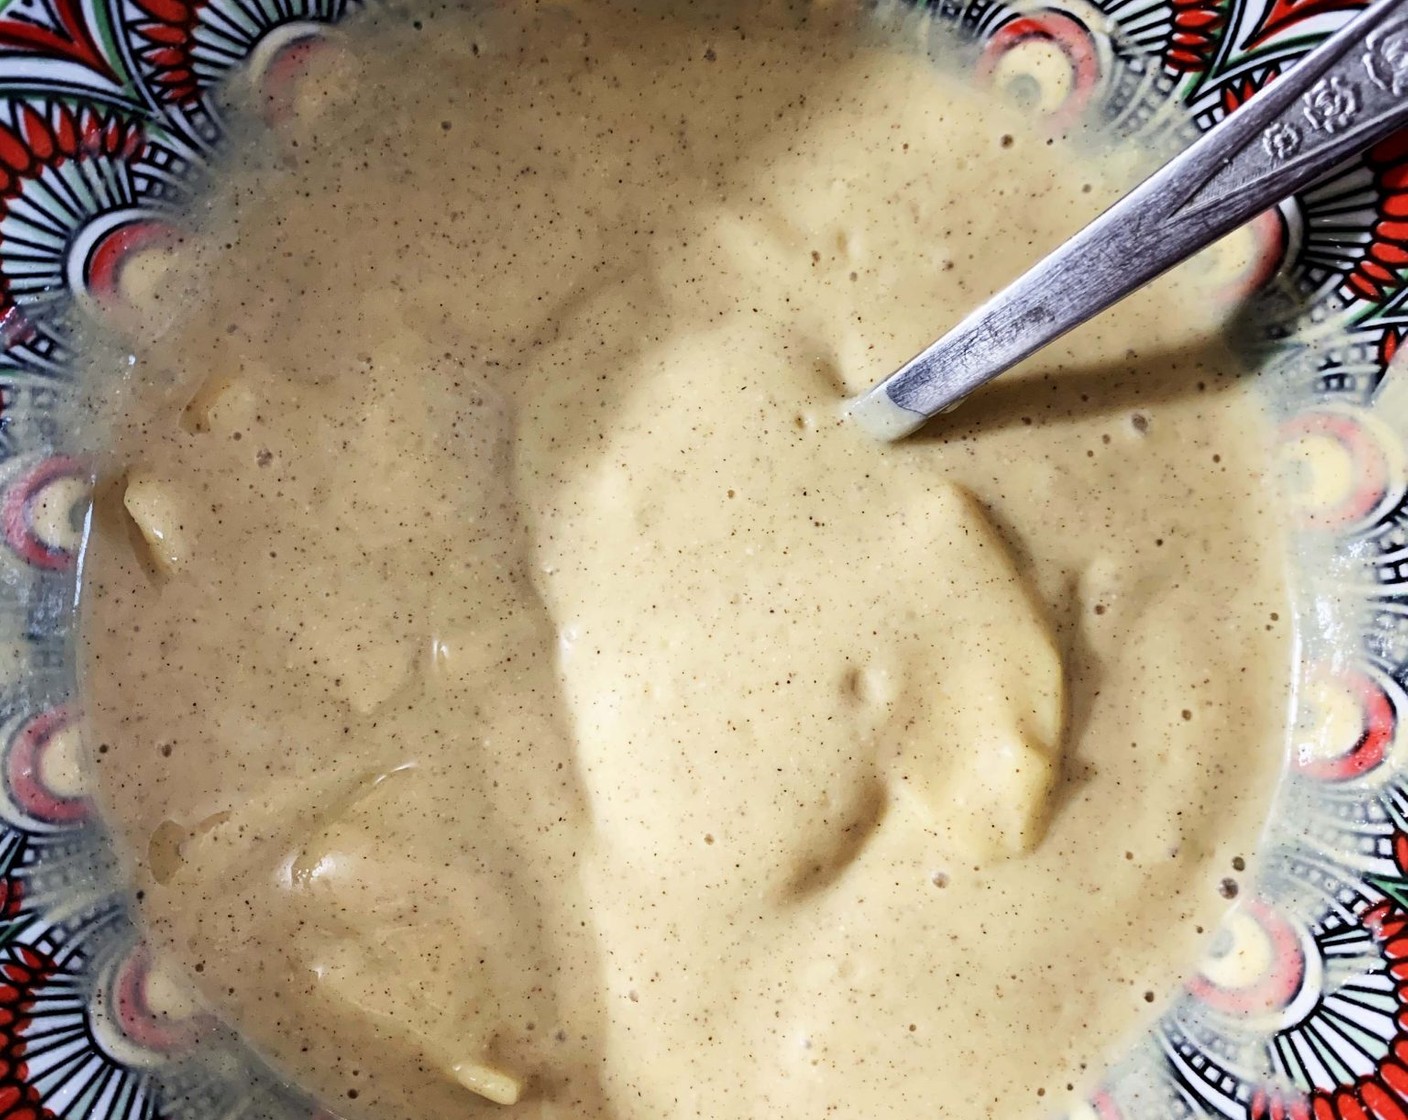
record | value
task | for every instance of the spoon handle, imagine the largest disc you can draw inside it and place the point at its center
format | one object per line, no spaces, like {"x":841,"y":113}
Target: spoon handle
{"x":1344,"y":96}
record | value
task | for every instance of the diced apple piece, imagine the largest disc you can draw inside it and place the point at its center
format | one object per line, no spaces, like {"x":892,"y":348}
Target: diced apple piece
{"x":492,"y":1084}
{"x":223,"y":405}
{"x":158,"y":512}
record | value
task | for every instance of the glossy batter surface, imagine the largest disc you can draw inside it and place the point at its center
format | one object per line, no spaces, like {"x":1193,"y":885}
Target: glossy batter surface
{"x":517,"y":682}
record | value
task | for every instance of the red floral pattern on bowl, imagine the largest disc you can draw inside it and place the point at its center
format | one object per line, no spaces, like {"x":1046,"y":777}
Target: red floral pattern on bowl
{"x":108,"y":119}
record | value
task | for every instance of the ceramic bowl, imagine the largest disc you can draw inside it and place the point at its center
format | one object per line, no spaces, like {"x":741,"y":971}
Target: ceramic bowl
{"x":108,"y":120}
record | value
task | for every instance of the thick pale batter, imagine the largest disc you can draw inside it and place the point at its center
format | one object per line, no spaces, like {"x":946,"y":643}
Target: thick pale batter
{"x":515,"y":680}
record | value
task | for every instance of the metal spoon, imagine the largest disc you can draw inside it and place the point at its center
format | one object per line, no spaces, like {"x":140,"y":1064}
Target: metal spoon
{"x":1348,"y":93}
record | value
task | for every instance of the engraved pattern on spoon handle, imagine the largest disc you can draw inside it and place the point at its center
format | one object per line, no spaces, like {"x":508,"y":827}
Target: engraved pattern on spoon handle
{"x":1339,"y":100}
{"x":1348,"y":93}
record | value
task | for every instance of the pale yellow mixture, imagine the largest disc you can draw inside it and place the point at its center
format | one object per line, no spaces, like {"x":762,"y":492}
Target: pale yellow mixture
{"x":516,"y":681}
